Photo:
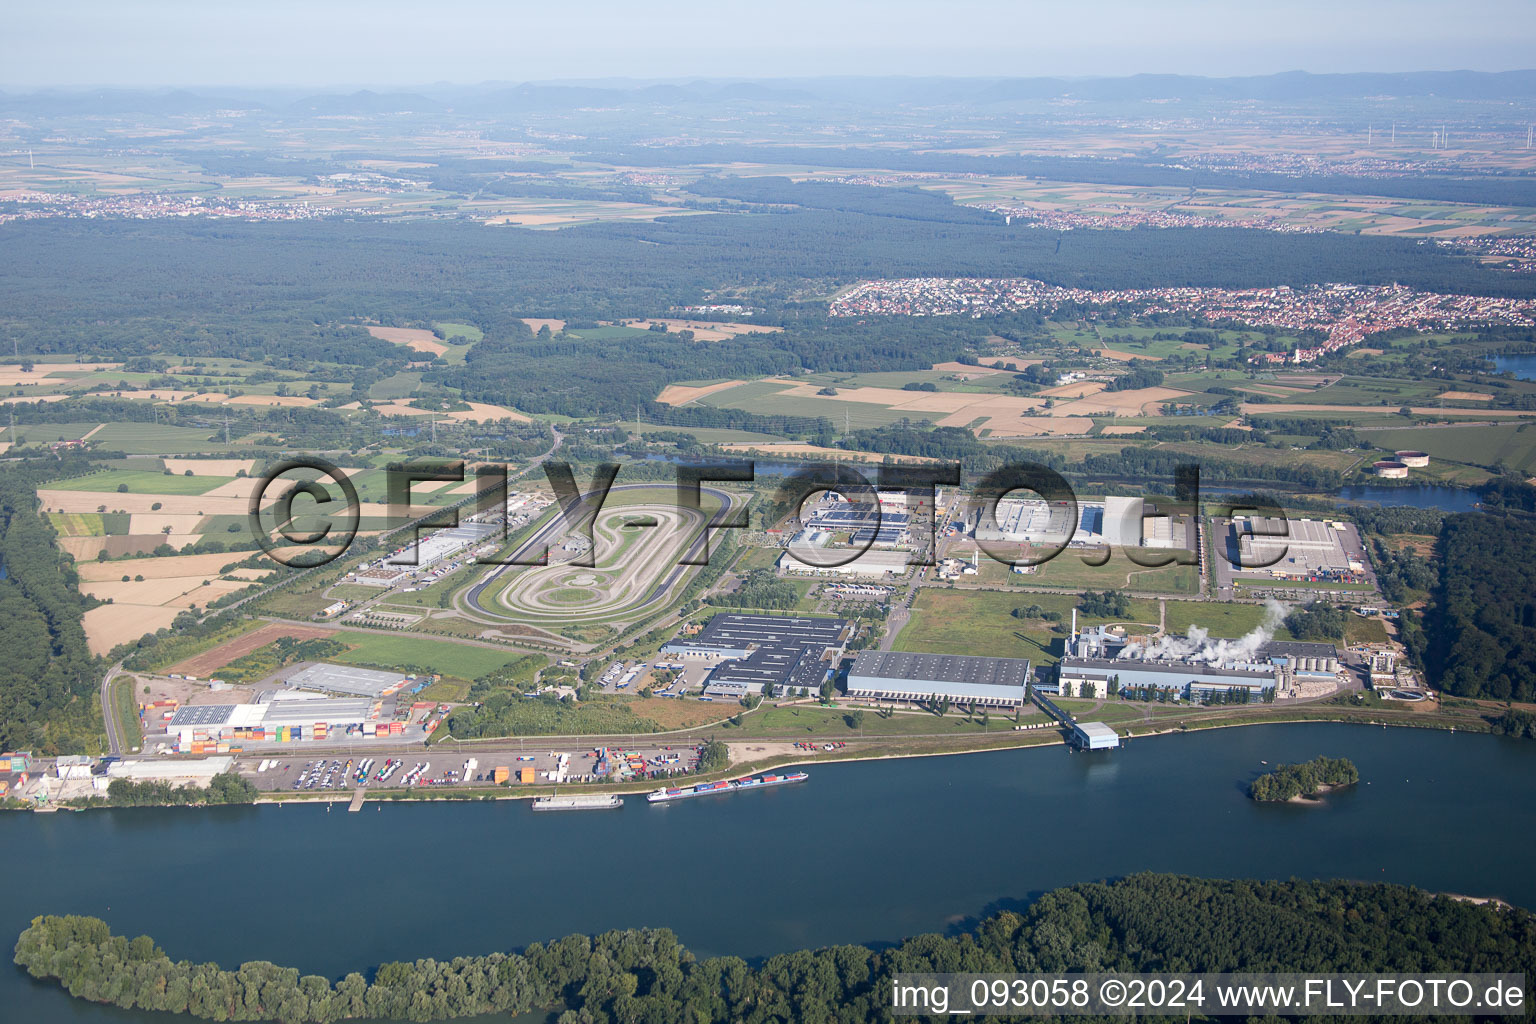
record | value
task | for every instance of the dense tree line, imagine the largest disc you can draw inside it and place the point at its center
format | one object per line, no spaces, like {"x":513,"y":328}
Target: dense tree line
{"x":1481,"y":625}
{"x":908,"y":203}
{"x":1109,"y":604}
{"x":761,"y":588}
{"x":518,"y":674}
{"x":1317,"y":622}
{"x":224,"y":788}
{"x":48,"y":678}
{"x":1304,"y":780}
{"x":1144,"y":923}
{"x":508,"y":713}
{"x":1400,"y":573}
{"x":1470,"y":188}
{"x":1139,"y":376}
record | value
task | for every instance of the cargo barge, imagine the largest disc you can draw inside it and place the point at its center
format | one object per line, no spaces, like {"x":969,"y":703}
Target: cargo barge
{"x":662,"y":796}
{"x":605,"y":802}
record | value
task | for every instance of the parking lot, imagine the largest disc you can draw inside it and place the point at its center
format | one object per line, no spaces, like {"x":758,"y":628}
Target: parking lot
{"x":320,"y":771}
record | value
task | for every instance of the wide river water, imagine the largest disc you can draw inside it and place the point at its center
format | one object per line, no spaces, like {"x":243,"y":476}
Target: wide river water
{"x":865,"y":852}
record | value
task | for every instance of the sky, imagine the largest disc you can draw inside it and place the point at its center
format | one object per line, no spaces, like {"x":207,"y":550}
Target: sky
{"x":395,"y":44}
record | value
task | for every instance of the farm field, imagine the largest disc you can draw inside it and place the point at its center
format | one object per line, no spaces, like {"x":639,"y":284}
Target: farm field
{"x":964,"y":622}
{"x":1119,"y":573}
{"x":440,"y":656}
{"x":1513,"y":445}
{"x":142,"y":482}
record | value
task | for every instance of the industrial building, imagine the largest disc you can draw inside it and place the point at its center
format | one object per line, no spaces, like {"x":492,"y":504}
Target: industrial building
{"x":964,"y":679}
{"x":347,"y":679}
{"x":417,"y":555}
{"x":793,"y":655}
{"x":1116,"y":521}
{"x":177,"y":772}
{"x":873,"y":563}
{"x":1094,"y":736}
{"x":1099,"y":661}
{"x":281,"y":717}
{"x":1295,"y":547}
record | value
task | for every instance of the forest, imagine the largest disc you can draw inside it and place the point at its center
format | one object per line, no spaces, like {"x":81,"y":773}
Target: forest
{"x":127,"y":288}
{"x":1468,"y":188}
{"x":49,"y":677}
{"x":1480,"y":627}
{"x":1146,"y":922}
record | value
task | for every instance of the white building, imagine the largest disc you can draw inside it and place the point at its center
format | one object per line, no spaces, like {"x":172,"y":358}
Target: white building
{"x":870,"y":564}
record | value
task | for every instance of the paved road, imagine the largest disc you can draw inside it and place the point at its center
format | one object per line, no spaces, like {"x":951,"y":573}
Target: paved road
{"x":559,"y":439}
{"x":469,"y":601}
{"x":114,"y":741}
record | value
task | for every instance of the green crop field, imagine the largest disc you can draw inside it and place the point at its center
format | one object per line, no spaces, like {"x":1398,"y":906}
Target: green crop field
{"x":155,"y":439}
{"x":980,"y":622}
{"x":1513,"y":444}
{"x":465,"y":332}
{"x":78,"y":524}
{"x":441,"y":656}
{"x":1219,"y":619}
{"x":1067,"y":570}
{"x":401,"y":385}
{"x":140,"y":482}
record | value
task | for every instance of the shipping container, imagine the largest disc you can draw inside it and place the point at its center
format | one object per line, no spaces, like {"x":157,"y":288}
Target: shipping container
{"x":500,"y":775}
{"x":525,"y":775}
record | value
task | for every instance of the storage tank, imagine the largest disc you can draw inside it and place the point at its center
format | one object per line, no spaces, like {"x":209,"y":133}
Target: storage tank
{"x":1390,"y":470}
{"x":1413,"y":460}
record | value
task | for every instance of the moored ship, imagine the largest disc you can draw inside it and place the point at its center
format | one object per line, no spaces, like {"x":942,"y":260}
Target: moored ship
{"x":669,"y":794}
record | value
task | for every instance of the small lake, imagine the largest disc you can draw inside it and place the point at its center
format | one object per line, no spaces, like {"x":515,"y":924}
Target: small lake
{"x":1446,"y":499}
{"x":1523,"y":367}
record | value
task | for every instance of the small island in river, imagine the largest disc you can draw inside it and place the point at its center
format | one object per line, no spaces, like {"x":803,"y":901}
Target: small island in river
{"x":1304,"y":781}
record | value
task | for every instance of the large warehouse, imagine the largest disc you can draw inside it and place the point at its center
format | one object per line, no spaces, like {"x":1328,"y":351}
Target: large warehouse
{"x":793,"y":655}
{"x":872,"y":564}
{"x":1115,"y":521}
{"x":1294,"y":546}
{"x":280,"y":718}
{"x":348,"y":679}
{"x":890,"y":675}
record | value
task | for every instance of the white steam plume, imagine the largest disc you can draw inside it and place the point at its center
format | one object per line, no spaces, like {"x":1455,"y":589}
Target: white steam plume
{"x":1198,"y":646}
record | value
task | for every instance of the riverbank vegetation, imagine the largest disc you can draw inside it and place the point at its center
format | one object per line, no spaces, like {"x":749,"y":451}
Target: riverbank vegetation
{"x":1141,"y":923}
{"x":225,"y":788}
{"x":1314,"y":777}
{"x":48,"y":678}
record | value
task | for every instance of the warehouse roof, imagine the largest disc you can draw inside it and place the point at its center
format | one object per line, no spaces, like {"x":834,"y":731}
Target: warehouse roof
{"x":345,"y":679}
{"x":1096,"y":731}
{"x":941,"y":668}
{"x":1297,"y":649}
{"x":305,"y":712}
{"x":203,"y":714}
{"x":731,"y":632}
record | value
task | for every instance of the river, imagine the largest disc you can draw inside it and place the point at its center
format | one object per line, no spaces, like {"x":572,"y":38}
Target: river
{"x":864,"y":852}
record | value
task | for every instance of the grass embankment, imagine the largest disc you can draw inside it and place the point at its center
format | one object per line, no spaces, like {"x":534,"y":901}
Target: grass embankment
{"x":125,"y":706}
